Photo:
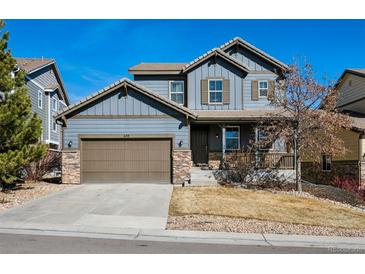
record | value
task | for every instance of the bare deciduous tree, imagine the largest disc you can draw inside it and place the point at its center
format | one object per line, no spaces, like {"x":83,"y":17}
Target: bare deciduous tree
{"x":309,"y":118}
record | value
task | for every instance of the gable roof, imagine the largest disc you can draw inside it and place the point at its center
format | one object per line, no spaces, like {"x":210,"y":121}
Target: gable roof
{"x":124,"y":82}
{"x":215,"y":52}
{"x":255,"y":50}
{"x":358,"y":71}
{"x":157,"y":68}
{"x":31,"y":65}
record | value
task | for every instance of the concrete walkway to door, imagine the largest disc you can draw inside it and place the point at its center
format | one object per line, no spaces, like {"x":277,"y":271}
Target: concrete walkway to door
{"x":101,"y":206}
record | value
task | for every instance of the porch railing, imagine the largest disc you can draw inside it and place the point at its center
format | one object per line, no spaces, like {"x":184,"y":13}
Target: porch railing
{"x":268,"y":159}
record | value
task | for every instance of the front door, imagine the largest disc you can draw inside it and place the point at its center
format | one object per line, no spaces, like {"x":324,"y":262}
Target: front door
{"x":199,"y":144}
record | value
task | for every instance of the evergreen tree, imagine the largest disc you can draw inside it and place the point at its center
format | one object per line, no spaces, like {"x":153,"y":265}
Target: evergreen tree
{"x":20,"y":130}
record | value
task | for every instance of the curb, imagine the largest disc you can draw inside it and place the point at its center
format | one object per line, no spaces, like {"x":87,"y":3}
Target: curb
{"x":274,"y":240}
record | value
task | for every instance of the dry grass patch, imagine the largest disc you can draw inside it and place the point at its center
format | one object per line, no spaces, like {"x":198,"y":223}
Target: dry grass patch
{"x":262,"y":205}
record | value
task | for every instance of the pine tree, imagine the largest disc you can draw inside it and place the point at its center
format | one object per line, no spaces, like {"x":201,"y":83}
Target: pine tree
{"x":20,"y":130}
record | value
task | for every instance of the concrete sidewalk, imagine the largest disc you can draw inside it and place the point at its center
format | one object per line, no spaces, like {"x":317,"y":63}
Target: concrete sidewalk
{"x":355,"y":244}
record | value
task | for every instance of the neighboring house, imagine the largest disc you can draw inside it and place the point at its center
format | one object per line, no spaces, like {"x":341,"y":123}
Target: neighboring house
{"x":47,"y":93}
{"x":351,"y":100}
{"x":173,"y":115}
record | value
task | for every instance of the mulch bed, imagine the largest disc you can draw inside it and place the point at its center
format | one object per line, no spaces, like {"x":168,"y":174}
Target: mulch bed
{"x":26,"y":192}
{"x":229,"y":224}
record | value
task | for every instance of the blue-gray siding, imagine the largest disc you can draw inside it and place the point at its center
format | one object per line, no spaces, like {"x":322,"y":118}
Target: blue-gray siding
{"x":252,"y":61}
{"x":41,"y":112}
{"x":139,"y":126}
{"x":46,"y":76}
{"x":240,"y":97}
{"x":38,"y":81}
{"x":159,"y":83}
{"x":147,"y":117}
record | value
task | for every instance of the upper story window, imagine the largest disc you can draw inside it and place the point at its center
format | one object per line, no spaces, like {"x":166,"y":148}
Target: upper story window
{"x":40,"y":99}
{"x":326,"y":163}
{"x":54,"y":104}
{"x":215,"y":91}
{"x":232,"y":138}
{"x":177,"y":92}
{"x":54,"y":125}
{"x":263,"y":88}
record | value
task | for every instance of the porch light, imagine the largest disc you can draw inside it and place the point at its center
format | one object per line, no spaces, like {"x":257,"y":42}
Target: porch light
{"x":180,"y":143}
{"x":217,"y":136}
{"x":69,"y":144}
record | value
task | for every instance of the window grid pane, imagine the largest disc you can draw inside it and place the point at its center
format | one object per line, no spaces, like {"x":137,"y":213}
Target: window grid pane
{"x":215,"y":91}
{"x":232,"y":138}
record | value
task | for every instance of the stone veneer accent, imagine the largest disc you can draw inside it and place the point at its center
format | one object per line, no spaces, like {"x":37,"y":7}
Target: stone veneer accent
{"x":214,"y":159}
{"x":71,"y":167}
{"x":181,"y":166}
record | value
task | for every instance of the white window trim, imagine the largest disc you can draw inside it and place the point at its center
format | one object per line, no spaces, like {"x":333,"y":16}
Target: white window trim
{"x":267,"y":89}
{"x":225,"y":139}
{"x":214,"y":103}
{"x":183,"y":92}
{"x":259,"y":141}
{"x":330,"y":160}
{"x":54,"y":100}
{"x":40,"y":96}
{"x":54,"y":122}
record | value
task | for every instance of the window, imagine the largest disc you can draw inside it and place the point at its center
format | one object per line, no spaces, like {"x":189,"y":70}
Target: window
{"x":262,"y":140}
{"x":40,"y":99}
{"x":326,"y":163}
{"x":215,"y":91}
{"x":54,"y":126}
{"x":263,"y":88}
{"x":232,"y":138}
{"x":177,"y":91}
{"x":54,"y":104}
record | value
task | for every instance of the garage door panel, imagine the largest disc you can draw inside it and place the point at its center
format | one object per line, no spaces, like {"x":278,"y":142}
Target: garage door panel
{"x":126,"y":161}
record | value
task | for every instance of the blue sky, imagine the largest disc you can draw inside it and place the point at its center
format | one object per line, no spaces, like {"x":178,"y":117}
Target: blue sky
{"x":94,"y":53}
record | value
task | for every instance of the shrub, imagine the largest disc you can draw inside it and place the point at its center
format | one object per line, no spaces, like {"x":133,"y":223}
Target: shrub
{"x":348,"y":184}
{"x":241,"y":167}
{"x":36,"y":170}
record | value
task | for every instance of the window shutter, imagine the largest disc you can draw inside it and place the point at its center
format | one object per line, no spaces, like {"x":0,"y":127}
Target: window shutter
{"x":254,"y":91}
{"x":204,"y":92}
{"x":271,"y":90}
{"x":226,"y":91}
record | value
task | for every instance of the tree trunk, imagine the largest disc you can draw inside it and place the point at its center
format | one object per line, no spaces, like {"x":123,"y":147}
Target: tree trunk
{"x":298,"y":159}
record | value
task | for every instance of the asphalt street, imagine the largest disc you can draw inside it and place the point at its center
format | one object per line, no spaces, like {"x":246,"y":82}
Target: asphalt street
{"x":22,"y":244}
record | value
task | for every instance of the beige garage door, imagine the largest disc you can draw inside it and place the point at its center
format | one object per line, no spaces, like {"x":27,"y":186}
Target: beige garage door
{"x":118,"y":161}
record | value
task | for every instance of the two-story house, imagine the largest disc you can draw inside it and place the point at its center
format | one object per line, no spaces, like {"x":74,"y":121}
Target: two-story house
{"x":172,"y":115}
{"x":351,"y":166}
{"x":48,"y":95}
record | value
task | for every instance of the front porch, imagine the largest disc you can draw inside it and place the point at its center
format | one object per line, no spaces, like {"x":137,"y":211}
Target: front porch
{"x":212,"y":143}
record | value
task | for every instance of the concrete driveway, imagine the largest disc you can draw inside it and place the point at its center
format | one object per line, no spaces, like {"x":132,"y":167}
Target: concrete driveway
{"x":101,"y":206}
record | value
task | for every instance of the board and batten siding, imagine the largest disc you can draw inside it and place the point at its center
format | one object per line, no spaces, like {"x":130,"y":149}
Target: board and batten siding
{"x":351,"y":92}
{"x":147,"y":117}
{"x":239,"y":97}
{"x":249,"y":59}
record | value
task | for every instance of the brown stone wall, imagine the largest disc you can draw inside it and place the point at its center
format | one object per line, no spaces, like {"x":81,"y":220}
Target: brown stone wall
{"x":71,"y":167}
{"x":214,"y":159}
{"x":342,"y":169}
{"x":181,"y":165}
{"x":362,"y":174}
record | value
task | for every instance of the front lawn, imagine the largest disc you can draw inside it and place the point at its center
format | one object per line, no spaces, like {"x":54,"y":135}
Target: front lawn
{"x":263,"y":206}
